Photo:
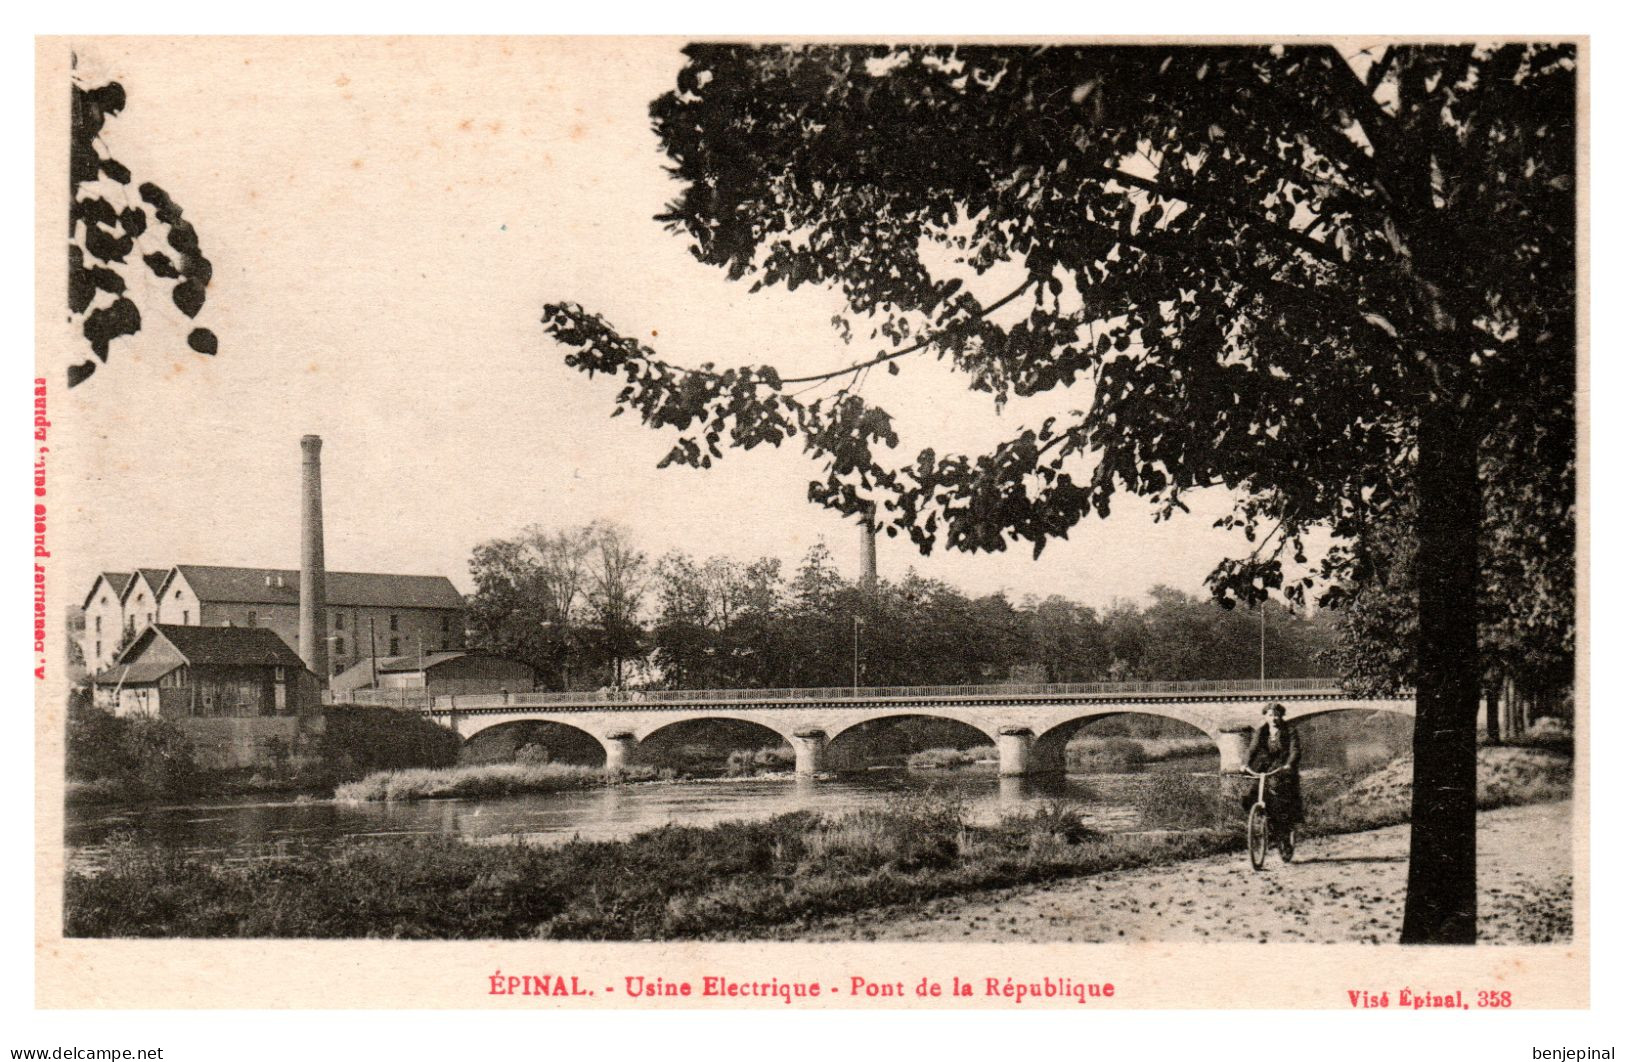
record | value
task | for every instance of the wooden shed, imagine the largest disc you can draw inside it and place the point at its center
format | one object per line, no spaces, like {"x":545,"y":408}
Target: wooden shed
{"x":185,"y":672}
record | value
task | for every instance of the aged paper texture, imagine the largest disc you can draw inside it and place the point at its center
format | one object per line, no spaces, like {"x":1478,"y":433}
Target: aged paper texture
{"x":384,"y":664}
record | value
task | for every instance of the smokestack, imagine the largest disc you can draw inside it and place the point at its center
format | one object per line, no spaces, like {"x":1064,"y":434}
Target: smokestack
{"x":866,"y":548}
{"x":312,"y":563}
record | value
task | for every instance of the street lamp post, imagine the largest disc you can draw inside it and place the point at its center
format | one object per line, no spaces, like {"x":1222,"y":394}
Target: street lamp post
{"x":1261,"y":605}
{"x":857,"y":621}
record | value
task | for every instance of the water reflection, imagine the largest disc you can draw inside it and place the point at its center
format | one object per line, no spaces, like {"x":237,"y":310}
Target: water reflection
{"x":1108,"y":802}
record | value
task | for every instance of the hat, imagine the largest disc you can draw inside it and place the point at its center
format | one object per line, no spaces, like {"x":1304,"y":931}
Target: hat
{"x":1270,"y":709}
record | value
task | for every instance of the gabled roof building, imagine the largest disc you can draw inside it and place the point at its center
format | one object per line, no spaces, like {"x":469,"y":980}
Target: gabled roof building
{"x":198,"y":672}
{"x":366,"y":613}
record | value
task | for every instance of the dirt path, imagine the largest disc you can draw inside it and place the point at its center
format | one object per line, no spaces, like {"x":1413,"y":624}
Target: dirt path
{"x":1346,"y":888}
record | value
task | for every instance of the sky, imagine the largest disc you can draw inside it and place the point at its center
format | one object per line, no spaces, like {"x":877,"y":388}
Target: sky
{"x":386,"y":219}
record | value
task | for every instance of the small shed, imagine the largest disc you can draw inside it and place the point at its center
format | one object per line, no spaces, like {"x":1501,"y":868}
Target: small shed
{"x":441,"y":674}
{"x":184,"y":672}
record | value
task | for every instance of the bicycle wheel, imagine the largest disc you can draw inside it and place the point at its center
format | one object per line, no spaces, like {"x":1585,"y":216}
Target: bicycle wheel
{"x":1289,"y":843}
{"x":1258,"y":836}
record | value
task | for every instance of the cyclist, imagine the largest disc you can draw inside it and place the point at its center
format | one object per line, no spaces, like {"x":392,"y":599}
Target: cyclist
{"x":1276,"y":744}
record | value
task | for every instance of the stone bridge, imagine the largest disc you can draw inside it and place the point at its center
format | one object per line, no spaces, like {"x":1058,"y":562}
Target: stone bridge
{"x":1030,"y":724}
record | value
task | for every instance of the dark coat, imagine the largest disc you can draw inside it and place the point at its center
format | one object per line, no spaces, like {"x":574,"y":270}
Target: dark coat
{"x":1281,"y":790}
{"x":1261,"y":757}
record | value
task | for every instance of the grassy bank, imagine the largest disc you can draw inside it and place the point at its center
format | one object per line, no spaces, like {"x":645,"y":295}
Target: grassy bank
{"x":682,"y":882}
{"x":485,"y":780}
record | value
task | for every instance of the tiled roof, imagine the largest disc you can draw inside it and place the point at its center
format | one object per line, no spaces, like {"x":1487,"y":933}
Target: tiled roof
{"x":236,"y":646}
{"x":116,"y":580}
{"x":360,"y":674}
{"x":154,"y":577}
{"x":344,"y":589}
{"x":135,"y":674}
{"x":414,"y":662}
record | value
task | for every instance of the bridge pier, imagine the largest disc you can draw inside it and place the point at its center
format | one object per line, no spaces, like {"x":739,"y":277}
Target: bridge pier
{"x":618,"y":749}
{"x":1232,"y":742}
{"x":809,"y":745}
{"x":1233,"y":785}
{"x":1015,"y":751}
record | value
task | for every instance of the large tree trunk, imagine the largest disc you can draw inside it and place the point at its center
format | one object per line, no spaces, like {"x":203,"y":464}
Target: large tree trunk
{"x":1492,"y":711}
{"x":1441,"y":897}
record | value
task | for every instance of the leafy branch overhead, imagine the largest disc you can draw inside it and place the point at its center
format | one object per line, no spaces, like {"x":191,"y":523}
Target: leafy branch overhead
{"x":1249,"y":259}
{"x":107,"y":228}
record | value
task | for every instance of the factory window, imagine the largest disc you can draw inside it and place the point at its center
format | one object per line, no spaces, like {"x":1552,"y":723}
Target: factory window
{"x":98,"y":624}
{"x":338,"y":646}
{"x":445,"y":624}
{"x":394,"y":647}
{"x":98,"y":650}
{"x":338,"y":621}
{"x":177,"y":595}
{"x":186,"y":617}
{"x":394,"y":622}
{"x":253,"y":618}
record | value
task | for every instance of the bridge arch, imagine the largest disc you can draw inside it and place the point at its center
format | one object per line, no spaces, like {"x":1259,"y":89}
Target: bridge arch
{"x":843,"y":740}
{"x":663,"y":742}
{"x":1343,"y":736}
{"x":1405,"y":709}
{"x":1048,"y":754}
{"x":576,"y":738}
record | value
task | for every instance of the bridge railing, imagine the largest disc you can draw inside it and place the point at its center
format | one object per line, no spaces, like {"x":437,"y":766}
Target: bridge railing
{"x":421,"y":699}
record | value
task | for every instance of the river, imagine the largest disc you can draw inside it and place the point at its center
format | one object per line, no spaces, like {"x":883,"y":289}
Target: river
{"x":254,"y":828}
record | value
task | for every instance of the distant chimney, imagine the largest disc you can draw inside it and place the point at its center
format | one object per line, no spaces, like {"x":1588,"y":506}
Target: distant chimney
{"x":868,"y":576}
{"x":312,"y":563}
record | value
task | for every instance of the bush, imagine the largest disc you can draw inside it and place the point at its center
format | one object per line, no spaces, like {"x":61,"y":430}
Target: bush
{"x":743,"y":763}
{"x":1107,"y":754}
{"x":942,"y":758}
{"x":137,"y":757}
{"x":360,"y":740}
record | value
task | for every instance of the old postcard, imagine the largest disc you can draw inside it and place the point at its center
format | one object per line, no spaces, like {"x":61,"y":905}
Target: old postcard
{"x":648,"y":522}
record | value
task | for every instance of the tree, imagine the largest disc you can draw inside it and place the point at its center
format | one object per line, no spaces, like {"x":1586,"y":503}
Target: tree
{"x":106,"y":227}
{"x":1066,"y":641}
{"x":529,"y":593}
{"x":1254,"y":256}
{"x":616,"y":576}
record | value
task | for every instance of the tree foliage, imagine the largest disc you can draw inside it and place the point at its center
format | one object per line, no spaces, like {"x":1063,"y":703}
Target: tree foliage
{"x":566,"y":602}
{"x":1248,"y":254}
{"x":108,"y":229}
{"x":1319,"y":281}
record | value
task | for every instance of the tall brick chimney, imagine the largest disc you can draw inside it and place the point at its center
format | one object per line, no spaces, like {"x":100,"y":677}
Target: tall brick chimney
{"x":868,"y":576}
{"x":312,"y":563}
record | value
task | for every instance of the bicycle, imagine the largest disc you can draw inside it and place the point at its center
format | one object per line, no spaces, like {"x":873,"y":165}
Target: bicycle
{"x":1258,"y":827}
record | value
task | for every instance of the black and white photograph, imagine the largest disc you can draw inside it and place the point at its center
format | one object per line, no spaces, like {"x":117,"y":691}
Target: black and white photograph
{"x":1109,"y":504}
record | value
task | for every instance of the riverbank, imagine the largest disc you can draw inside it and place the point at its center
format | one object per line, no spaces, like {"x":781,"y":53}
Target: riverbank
{"x":1344,"y":888}
{"x":734,"y":879}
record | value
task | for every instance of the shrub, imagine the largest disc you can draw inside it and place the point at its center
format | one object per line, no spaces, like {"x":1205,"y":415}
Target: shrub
{"x":742,"y":763}
{"x":141,"y":757}
{"x":1105,"y":754}
{"x":359,"y":740}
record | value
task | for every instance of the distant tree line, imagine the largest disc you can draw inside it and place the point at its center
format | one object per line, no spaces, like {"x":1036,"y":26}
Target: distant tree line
{"x":589,"y":610}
